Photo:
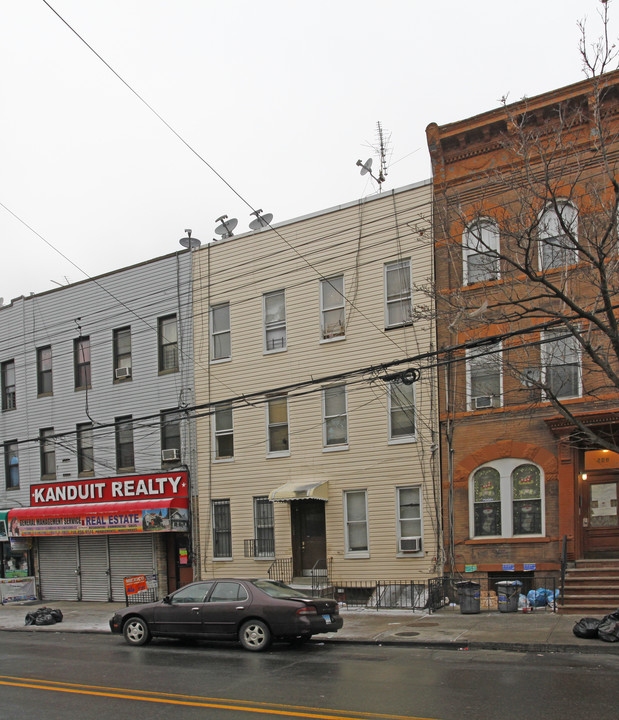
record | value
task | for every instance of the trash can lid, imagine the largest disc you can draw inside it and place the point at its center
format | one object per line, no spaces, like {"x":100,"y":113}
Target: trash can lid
{"x":513,"y":583}
{"x":467,"y":584}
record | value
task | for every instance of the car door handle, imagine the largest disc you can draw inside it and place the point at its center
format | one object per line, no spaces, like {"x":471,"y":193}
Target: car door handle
{"x":240,"y":607}
{"x":196,"y":609}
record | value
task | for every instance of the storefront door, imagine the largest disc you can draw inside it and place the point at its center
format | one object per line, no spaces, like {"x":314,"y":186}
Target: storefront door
{"x":309,"y":542}
{"x":600,"y":520}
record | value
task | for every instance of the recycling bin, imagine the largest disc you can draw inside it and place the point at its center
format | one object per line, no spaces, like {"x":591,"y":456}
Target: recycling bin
{"x":508,"y":592}
{"x":468,"y":597}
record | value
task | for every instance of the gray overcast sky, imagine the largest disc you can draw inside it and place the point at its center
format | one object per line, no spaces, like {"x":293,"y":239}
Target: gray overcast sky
{"x":280,"y":97}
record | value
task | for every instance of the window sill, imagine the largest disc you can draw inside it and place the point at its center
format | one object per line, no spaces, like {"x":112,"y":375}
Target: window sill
{"x":88,"y":474}
{"x":219,"y":361}
{"x":337,"y":338}
{"x":8,"y":409}
{"x":264,"y":557}
{"x":419,"y":554}
{"x":278,"y":454}
{"x":223,"y":460}
{"x":129,"y":469}
{"x":169,"y":371}
{"x":512,"y":539}
{"x":277,"y":351}
{"x":45,"y":394}
{"x":334,"y":448}
{"x":402,"y":440}
{"x":47,"y":478}
{"x":222,"y":559}
{"x":410,"y":323}
{"x":121,"y":381}
{"x":362,"y":555}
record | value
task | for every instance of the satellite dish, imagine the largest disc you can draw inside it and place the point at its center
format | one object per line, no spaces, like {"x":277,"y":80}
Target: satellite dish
{"x":226,"y":227}
{"x":1,"y":301}
{"x":366,"y":167}
{"x":261,"y":221}
{"x":189,"y":242}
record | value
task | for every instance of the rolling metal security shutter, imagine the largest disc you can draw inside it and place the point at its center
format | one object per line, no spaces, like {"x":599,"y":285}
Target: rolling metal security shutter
{"x":57,"y":568}
{"x":130,"y":555}
{"x":94,"y":567}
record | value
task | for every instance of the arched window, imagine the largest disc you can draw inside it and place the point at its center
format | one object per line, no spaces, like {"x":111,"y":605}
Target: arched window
{"x":558,"y":235}
{"x":507,"y":499}
{"x":480,"y":245}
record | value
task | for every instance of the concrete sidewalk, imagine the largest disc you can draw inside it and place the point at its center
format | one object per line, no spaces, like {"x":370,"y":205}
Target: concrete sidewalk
{"x":537,"y":631}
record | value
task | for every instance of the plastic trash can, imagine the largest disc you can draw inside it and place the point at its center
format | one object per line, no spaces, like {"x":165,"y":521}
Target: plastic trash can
{"x":508,"y":592}
{"x":468,"y":597}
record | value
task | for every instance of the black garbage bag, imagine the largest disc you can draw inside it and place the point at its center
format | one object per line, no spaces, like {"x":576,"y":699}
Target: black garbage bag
{"x":609,"y":627}
{"x":587,"y":627}
{"x":44,"y":616}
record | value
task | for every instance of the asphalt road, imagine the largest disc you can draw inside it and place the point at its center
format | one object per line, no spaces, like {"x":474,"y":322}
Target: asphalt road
{"x":69,"y":676}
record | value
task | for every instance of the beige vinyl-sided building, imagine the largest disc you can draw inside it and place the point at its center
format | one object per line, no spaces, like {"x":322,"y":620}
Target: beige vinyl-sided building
{"x":317,"y":449}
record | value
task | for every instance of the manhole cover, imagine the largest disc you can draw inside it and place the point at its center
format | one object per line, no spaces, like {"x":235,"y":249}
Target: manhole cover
{"x":407,"y":633}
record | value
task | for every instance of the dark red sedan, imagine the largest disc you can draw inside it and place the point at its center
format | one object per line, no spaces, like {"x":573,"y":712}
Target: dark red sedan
{"x":254,"y":612}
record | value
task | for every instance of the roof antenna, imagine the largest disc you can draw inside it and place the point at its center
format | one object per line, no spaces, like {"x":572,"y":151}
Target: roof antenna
{"x":381,"y":151}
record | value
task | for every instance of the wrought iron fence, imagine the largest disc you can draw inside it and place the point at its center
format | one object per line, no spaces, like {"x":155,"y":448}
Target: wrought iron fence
{"x":281,"y":570}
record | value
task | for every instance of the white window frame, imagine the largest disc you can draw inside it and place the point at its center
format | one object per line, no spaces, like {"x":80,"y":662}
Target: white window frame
{"x":481,"y":237}
{"x":223,"y":432}
{"x":400,"y":521}
{"x":550,"y":230}
{"x":221,"y":502}
{"x":484,"y":357}
{"x":404,"y":298}
{"x":405,"y":438}
{"x":348,"y":522}
{"x":274,"y":325}
{"x":505,"y":468}
{"x":218,"y":334}
{"x":546,"y":351}
{"x":269,"y":528}
{"x":329,"y":336}
{"x":327,"y":446}
{"x":269,"y":425}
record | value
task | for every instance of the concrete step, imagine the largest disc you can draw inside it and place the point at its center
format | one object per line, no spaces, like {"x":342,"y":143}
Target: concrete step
{"x":589,"y":610}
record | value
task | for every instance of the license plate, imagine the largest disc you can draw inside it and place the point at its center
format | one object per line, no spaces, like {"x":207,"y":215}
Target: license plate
{"x":327,"y":618}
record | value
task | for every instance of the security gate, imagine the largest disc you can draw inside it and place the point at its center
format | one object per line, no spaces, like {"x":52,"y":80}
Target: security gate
{"x":92,"y":567}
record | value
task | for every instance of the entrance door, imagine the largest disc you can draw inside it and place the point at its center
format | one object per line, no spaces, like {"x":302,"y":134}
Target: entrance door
{"x":309,"y":540}
{"x":600,"y":519}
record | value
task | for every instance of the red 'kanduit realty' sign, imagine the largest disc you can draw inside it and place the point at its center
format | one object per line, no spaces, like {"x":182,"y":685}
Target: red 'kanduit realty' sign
{"x":117,"y":489}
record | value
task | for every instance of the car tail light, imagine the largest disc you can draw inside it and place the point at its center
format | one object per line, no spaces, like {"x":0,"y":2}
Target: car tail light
{"x":307,"y":610}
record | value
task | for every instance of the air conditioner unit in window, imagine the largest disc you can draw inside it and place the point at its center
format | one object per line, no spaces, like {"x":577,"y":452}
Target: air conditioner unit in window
{"x":122,"y":372}
{"x":170,"y":454}
{"x":410,"y":544}
{"x":483,"y":401}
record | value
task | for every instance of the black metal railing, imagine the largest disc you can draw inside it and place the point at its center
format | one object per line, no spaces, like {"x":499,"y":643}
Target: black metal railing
{"x":563,"y":568}
{"x":281,"y":570}
{"x":320,"y":574}
{"x":259,"y":547}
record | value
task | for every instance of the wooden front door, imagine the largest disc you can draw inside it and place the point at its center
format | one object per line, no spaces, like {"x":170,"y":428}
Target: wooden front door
{"x":309,"y":541}
{"x":600,"y":518}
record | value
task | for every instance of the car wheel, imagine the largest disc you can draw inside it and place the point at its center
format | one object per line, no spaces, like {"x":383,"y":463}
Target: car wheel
{"x":136,"y":631}
{"x":255,"y":635}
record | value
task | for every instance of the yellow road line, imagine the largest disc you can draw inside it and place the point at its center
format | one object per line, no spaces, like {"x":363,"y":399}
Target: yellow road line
{"x":220,"y":704}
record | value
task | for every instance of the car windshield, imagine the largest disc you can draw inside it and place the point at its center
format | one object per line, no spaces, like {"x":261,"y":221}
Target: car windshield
{"x":278,"y":589}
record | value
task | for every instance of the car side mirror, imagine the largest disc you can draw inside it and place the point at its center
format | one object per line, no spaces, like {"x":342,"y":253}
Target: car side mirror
{"x":167,"y":600}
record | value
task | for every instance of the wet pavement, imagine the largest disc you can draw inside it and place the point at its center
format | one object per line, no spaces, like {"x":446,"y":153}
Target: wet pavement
{"x":539,"y":631}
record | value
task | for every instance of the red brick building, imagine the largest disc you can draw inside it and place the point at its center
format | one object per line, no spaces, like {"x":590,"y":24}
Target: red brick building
{"x":527,"y":283}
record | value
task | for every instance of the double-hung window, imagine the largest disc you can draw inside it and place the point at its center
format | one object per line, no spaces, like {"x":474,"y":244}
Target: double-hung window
{"x":335,"y":417}
{"x":220,"y":332}
{"x":122,"y":353}
{"x":507,"y":499}
{"x":409,"y":519}
{"x":7,"y":369}
{"x":222,"y":529}
{"x":170,"y":438}
{"x":11,"y":465}
{"x":44,"y":371}
{"x":223,"y":433}
{"x":480,"y":248}
{"x":277,"y":426}
{"x":264,"y":528}
{"x":85,"y":449}
{"x":558,"y":236}
{"x":81,"y":362}
{"x":48,"y":453}
{"x":125,"y":459}
{"x":483,"y":375}
{"x":356,"y":514}
{"x":401,"y":412}
{"x":561,"y":364}
{"x":274,"y":304}
{"x":398,"y":293}
{"x":332,"y":308}
{"x":167,"y":339}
